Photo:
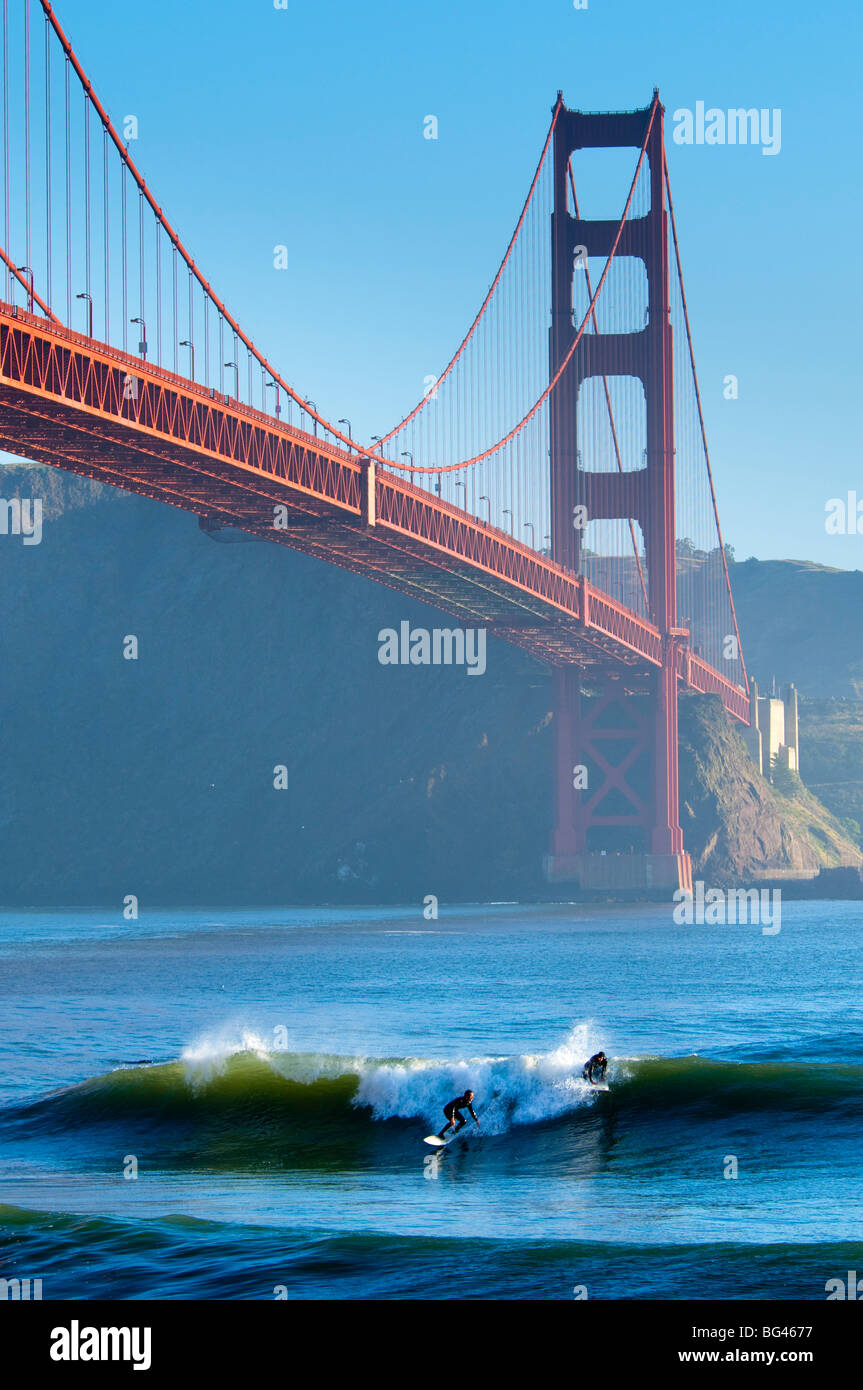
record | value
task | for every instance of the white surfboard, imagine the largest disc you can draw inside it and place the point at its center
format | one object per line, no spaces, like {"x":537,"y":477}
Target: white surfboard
{"x":438,"y":1143}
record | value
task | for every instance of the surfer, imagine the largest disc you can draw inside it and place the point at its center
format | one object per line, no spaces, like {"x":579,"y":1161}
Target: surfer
{"x":598,"y":1062}
{"x":454,"y":1117}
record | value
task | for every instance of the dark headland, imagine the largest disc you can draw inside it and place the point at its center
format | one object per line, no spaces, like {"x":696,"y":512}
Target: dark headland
{"x":155,"y":776}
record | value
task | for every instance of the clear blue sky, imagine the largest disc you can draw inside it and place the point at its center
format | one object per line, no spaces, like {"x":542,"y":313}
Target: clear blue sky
{"x":261,"y":126}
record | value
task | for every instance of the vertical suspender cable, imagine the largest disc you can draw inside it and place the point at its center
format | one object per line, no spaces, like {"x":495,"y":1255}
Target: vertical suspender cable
{"x":191,"y":333}
{"x":48,"y":276}
{"x":141,"y":277}
{"x":124,"y":236}
{"x":68,"y":197}
{"x":515,"y":453}
{"x":27,"y":189}
{"x":87,"y":229}
{"x":158,"y":295}
{"x":176,"y":306}
{"x":106,"y":229}
{"x":6,"y":185}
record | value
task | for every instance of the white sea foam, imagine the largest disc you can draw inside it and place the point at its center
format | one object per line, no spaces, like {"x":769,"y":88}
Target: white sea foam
{"x":510,"y":1090}
{"x":516,"y":1090}
{"x":208,"y":1057}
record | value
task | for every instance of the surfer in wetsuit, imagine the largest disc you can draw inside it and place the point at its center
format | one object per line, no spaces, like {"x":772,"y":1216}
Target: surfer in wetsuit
{"x":598,"y":1062}
{"x":454,"y":1117}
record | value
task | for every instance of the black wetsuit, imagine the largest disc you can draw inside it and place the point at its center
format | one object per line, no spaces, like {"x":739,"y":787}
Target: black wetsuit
{"x":596,"y":1063}
{"x":452,"y":1110}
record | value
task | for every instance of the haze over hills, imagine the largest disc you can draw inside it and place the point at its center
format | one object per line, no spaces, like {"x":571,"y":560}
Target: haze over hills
{"x":802,"y":622}
{"x":155,"y":776}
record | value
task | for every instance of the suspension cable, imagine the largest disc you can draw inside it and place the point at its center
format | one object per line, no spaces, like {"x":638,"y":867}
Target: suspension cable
{"x":701,"y":420}
{"x":494,"y":284}
{"x":516,"y":429}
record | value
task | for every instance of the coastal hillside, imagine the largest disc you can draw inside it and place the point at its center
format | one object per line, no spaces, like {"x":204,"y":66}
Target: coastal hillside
{"x":802,"y":622}
{"x":831,"y":752}
{"x":155,"y":776}
{"x":736,"y":825}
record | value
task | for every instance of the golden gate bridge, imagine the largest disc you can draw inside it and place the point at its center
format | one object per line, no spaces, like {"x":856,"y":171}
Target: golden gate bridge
{"x":553,"y":485}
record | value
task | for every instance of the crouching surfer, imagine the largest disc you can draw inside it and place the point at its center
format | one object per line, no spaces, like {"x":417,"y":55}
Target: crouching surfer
{"x":597,"y":1063}
{"x":455,"y":1120}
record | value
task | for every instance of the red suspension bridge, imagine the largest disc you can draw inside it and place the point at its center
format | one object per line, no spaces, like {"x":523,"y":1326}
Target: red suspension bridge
{"x":553,"y":485}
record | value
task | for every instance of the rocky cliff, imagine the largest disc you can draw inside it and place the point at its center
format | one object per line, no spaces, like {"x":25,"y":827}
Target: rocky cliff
{"x":736,"y":825}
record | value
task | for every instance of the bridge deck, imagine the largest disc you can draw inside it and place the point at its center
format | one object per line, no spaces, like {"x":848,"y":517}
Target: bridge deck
{"x":82,"y":406}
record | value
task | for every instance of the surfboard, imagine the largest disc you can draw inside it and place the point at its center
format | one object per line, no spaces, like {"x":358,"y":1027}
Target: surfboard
{"x":599,"y":1086}
{"x":438,"y":1143}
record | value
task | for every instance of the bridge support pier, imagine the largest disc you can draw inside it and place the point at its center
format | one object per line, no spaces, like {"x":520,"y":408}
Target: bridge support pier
{"x":617,"y":832}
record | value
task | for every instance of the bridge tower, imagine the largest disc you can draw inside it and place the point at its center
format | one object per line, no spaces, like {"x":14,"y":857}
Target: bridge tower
{"x":621,"y":831}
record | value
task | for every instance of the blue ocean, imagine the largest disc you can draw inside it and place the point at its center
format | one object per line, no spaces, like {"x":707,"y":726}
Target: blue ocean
{"x":232,"y":1105}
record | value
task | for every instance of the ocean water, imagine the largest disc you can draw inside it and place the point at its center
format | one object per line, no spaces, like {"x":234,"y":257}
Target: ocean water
{"x":232,"y":1105}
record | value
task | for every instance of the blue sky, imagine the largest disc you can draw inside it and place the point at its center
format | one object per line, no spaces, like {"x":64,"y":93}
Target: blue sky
{"x":304,"y":126}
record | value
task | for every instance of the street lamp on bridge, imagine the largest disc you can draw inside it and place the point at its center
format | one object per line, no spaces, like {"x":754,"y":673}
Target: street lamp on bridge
{"x":488,"y":500}
{"x":406,"y":454}
{"x":236,"y":378}
{"x":275,"y":386}
{"x":89,"y":299}
{"x":142,"y":345}
{"x":348,"y":423}
{"x":25,"y":270}
{"x":187,"y":342}
{"x":532,"y":534}
{"x":314,"y":406}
